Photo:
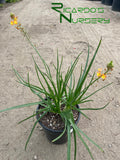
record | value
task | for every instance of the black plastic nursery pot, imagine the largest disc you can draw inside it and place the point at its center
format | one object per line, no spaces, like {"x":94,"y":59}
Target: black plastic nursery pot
{"x":103,"y":1}
{"x":109,"y":2}
{"x":116,"y":5}
{"x":2,"y":1}
{"x":52,"y":134}
{"x":95,"y":0}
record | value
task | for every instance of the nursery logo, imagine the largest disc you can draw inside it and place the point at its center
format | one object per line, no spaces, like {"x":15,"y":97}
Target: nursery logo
{"x":58,"y":6}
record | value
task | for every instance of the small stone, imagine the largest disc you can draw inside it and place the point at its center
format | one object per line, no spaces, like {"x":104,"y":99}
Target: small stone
{"x":117,"y":105}
{"x":50,"y":124}
{"x":41,"y":128}
{"x":54,"y":122}
{"x":71,"y":130}
{"x":7,"y":144}
{"x":35,"y":157}
{"x":109,"y":145}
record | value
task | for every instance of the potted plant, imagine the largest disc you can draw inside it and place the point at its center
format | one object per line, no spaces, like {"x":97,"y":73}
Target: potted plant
{"x":12,"y":1}
{"x":95,"y":0}
{"x":61,"y":97}
{"x":108,"y":2}
{"x":103,"y":1}
{"x":2,"y":1}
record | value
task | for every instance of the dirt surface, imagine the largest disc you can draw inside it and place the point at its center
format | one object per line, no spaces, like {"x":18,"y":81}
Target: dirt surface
{"x":70,"y":39}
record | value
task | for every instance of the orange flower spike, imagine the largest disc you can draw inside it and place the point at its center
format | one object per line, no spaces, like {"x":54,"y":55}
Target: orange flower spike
{"x":103,"y":76}
{"x":14,"y":19}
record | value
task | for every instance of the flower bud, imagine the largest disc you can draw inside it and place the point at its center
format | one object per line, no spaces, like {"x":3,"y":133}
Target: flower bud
{"x":110,"y":66}
{"x":12,"y":15}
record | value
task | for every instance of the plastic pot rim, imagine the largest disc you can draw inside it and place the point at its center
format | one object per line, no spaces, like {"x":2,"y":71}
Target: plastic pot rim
{"x":52,"y":130}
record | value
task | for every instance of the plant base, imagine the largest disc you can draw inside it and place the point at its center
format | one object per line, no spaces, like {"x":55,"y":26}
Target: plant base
{"x":51,"y":134}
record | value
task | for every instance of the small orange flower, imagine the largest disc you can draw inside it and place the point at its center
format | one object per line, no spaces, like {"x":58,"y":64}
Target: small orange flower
{"x":99,"y":74}
{"x":15,"y":19}
{"x":99,"y":70}
{"x":15,"y":22}
{"x":12,"y":22}
{"x":103,"y":76}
